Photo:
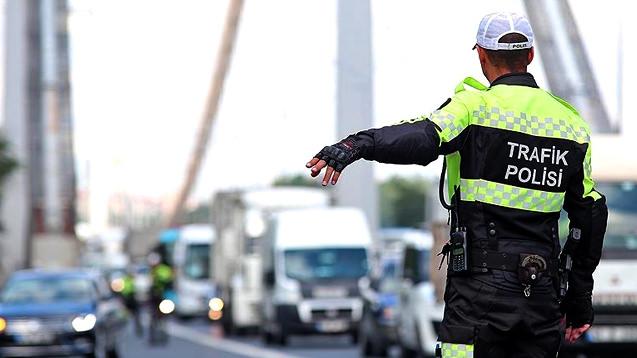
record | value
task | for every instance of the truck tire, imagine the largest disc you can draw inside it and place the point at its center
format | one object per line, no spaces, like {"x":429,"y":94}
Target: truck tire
{"x":267,"y":337}
{"x":226,"y":321}
{"x":283,"y":339}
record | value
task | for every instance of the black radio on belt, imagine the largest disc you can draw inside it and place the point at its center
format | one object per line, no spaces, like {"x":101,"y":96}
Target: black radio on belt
{"x":458,"y":251}
{"x":457,"y":247}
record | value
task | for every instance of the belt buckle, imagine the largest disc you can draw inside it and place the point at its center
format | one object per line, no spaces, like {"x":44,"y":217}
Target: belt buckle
{"x":528,"y":260}
{"x":529,"y":270}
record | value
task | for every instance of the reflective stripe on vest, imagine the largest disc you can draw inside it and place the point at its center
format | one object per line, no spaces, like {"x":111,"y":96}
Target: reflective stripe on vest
{"x":454,"y":350}
{"x":529,"y":124}
{"x":510,"y":196}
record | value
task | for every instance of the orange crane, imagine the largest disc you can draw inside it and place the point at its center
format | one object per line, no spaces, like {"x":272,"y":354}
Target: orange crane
{"x":210,"y":112}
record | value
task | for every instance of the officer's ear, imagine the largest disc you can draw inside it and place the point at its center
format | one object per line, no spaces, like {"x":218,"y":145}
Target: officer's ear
{"x":530,"y":55}
{"x":482,"y":55}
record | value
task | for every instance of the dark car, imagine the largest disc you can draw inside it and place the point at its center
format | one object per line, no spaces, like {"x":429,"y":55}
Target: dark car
{"x":46,"y":313}
{"x":380,"y":309}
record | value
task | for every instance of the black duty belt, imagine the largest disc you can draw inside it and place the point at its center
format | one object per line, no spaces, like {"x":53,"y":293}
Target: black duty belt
{"x":482,"y":260}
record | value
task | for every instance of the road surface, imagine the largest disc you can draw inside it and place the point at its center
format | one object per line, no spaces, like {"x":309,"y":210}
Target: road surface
{"x":201,"y":339}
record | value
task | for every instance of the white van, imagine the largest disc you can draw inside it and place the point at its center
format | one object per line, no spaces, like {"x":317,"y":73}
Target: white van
{"x":240,"y":220}
{"x":313,"y":260}
{"x":192,"y":285}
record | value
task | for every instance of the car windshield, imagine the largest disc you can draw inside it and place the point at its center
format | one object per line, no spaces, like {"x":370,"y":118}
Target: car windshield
{"x":48,"y":290}
{"x":326,"y":263}
{"x":621,"y":198}
{"x":197,"y":262}
{"x":621,"y":232}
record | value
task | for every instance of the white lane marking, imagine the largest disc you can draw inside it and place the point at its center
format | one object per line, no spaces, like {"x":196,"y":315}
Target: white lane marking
{"x":225,"y":345}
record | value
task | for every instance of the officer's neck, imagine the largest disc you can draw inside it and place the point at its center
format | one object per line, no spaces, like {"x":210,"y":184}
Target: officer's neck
{"x":493,"y":73}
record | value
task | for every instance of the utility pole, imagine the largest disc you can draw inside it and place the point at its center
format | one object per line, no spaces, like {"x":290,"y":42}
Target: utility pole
{"x":210,"y":112}
{"x":16,"y":197}
{"x":355,"y":105}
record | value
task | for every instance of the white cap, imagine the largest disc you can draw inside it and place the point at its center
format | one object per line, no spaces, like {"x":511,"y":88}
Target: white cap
{"x":494,"y":26}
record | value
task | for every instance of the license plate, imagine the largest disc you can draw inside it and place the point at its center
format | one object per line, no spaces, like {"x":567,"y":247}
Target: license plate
{"x":332,"y":326}
{"x":35,"y":338}
{"x":613,"y":334}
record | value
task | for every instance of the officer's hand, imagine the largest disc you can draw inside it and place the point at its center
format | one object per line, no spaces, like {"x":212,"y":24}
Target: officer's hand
{"x":335,"y":157}
{"x":317,"y":165}
{"x":578,"y":314}
{"x":572,"y":334}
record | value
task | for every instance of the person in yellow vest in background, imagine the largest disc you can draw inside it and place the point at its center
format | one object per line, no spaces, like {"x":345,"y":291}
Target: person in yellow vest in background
{"x":129,"y":294}
{"x":516,"y":155}
{"x":162,"y":278}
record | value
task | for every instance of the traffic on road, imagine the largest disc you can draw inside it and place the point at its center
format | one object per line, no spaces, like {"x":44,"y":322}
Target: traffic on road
{"x":255,"y":283}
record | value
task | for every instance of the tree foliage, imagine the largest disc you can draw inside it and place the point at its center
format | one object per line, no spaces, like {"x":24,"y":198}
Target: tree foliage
{"x":296,"y":180}
{"x":7,"y":163}
{"x":402,"y":202}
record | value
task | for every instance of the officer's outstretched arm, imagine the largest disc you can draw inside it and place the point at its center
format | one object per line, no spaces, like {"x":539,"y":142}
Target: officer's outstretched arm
{"x":587,"y":211}
{"x":417,"y":141}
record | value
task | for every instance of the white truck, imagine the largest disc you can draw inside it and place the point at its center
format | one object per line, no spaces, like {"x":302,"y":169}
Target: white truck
{"x":191,"y":257}
{"x":615,"y":292}
{"x":311,"y":273}
{"x":240,"y":220}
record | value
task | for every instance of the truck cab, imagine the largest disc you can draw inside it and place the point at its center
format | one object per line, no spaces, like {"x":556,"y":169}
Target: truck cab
{"x":311,"y":278}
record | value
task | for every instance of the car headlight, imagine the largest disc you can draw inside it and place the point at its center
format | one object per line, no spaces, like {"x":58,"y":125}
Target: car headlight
{"x":117,"y":285}
{"x":3,"y":324}
{"x":166,"y":306}
{"x":84,"y":323}
{"x":388,"y":313}
{"x":215,"y":304}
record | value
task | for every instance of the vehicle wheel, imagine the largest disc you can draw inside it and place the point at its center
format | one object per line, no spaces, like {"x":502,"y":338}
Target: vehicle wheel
{"x":283,"y":340}
{"x":379,"y":350}
{"x":421,"y":347}
{"x":355,"y":337}
{"x":99,"y":351}
{"x":267,"y":338}
{"x":226,"y":322}
{"x":365,"y":345}
{"x":369,"y":349}
{"x":112,"y":353}
{"x":406,"y":352}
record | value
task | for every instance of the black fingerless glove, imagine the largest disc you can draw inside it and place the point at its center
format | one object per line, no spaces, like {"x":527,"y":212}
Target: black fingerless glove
{"x":339,"y":155}
{"x":578,"y":309}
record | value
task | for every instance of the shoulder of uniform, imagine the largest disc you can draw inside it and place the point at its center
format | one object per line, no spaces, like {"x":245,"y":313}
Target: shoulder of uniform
{"x":470,"y":83}
{"x":564,"y":103}
{"x":581,"y":127}
{"x":468,"y":91}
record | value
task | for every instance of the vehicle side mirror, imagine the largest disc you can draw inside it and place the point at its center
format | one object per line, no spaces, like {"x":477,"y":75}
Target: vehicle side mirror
{"x":268,"y":278}
{"x":364,"y":284}
{"x":406,"y":284}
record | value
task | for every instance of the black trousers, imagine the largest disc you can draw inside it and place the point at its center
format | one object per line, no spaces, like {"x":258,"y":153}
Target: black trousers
{"x":490,"y":312}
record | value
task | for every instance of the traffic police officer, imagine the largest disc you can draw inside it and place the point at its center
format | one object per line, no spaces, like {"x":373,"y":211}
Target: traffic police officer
{"x":516,"y":155}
